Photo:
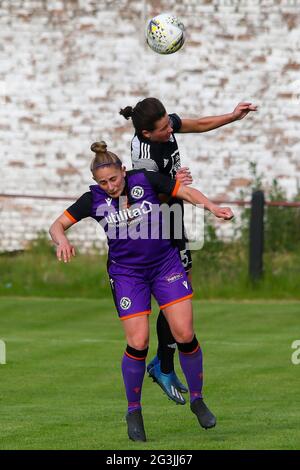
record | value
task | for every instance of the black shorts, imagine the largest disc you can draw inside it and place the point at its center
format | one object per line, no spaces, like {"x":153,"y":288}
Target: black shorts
{"x":185,"y":254}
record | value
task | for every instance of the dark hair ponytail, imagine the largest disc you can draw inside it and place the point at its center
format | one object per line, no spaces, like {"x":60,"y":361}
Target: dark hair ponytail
{"x":145,"y":114}
{"x":126,"y":112}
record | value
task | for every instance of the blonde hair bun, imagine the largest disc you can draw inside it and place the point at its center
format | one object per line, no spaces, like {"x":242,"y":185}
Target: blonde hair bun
{"x":99,"y":147}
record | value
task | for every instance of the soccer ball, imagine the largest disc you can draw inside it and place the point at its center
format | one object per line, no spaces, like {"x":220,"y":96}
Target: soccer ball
{"x":165,"y":34}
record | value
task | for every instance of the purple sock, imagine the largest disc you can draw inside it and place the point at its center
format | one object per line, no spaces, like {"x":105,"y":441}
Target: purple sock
{"x":133,"y":370}
{"x":191,"y":364}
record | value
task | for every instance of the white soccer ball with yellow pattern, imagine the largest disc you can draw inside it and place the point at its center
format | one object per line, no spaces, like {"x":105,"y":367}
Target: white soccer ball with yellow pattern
{"x":165,"y":34}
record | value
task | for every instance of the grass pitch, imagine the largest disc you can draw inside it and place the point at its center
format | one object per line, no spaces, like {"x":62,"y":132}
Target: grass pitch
{"x":62,"y":389}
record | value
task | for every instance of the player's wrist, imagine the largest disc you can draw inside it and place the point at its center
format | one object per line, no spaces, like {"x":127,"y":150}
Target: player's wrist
{"x":213,"y":208}
{"x":232,"y":117}
{"x":62,"y":241}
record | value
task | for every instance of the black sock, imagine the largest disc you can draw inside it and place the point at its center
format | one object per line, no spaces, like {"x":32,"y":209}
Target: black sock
{"x":166,"y":344}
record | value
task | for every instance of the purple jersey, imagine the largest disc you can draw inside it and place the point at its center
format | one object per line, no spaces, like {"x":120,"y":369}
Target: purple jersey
{"x":163,"y":157}
{"x":134,"y":230}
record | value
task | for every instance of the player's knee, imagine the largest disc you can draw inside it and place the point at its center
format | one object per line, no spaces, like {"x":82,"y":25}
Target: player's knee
{"x":138,"y":342}
{"x":184,"y":336}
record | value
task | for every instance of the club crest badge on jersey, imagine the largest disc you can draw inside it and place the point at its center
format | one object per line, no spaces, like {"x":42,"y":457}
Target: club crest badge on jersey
{"x":137,"y":192}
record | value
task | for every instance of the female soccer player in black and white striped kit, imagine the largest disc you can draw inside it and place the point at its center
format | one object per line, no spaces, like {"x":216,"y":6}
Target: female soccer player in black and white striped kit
{"x":154,"y":148}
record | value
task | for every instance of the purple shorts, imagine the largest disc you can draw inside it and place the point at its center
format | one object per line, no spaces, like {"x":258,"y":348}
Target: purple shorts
{"x":132,"y":288}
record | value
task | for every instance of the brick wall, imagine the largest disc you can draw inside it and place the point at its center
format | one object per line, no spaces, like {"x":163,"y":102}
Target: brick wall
{"x":66,"y":67}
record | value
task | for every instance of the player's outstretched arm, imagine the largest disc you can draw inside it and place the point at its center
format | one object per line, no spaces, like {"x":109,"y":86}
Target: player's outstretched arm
{"x":195,"y":197}
{"x":64,"y":250}
{"x":213,"y":122}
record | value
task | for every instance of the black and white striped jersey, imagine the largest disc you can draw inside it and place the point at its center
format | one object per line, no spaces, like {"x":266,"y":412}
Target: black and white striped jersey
{"x":164,"y":158}
{"x":157,"y":156}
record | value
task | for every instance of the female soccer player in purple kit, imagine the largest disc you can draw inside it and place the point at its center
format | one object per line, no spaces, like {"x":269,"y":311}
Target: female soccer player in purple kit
{"x":154,"y":148}
{"x":141,"y":261}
